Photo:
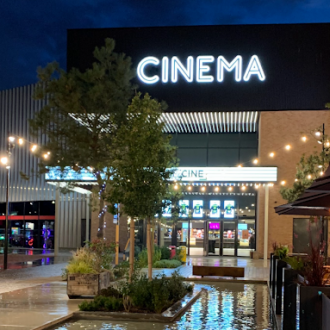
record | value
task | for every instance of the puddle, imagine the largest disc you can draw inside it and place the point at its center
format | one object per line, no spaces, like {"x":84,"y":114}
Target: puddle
{"x":222,"y":306}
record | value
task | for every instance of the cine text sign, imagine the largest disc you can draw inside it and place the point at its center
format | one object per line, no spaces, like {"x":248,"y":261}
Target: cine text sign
{"x":198,"y":69}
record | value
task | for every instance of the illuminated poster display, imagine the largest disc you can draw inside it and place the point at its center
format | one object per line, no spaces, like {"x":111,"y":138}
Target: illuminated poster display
{"x":184,"y":208}
{"x":214,"y":209}
{"x":198,"y":209}
{"x":167,"y":210}
{"x":229,"y":209}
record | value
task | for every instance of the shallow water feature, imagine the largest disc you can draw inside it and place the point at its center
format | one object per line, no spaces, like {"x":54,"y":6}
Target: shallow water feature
{"x":223,"y":306}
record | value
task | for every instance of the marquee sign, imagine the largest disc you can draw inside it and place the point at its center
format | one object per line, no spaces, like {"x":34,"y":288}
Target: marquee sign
{"x":184,"y":174}
{"x":198,"y":69}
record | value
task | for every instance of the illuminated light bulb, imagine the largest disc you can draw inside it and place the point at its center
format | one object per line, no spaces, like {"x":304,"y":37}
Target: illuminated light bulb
{"x":34,"y":148}
{"x":175,"y":187}
{"x":48,"y":152}
{"x":45,"y":156}
{"x":283,"y":183}
{"x":319,"y":142}
{"x":288,"y":147}
{"x":239,"y":165}
{"x":246,"y":207}
{"x":216,"y":189}
{"x":295,"y":180}
{"x":11,"y":138}
{"x":203,"y":188}
{"x":309,"y":176}
{"x":318,"y":133}
{"x":257,"y":186}
{"x":243,"y":187}
{"x":319,"y":166}
{"x":4,"y":160}
{"x":189,"y":188}
{"x":230,"y":188}
{"x":255,"y":161}
{"x":327,"y":144}
{"x":304,"y":138}
{"x":252,"y":204}
{"x":20,"y":141}
{"x":272,"y":154}
{"x":321,"y":173}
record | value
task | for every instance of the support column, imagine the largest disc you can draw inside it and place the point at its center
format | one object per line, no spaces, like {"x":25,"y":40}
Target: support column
{"x":87,"y":217}
{"x":266,"y":225}
{"x":57,"y":221}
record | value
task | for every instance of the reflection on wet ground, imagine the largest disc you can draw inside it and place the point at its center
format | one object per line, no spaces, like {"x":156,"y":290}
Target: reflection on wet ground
{"x":223,"y":306}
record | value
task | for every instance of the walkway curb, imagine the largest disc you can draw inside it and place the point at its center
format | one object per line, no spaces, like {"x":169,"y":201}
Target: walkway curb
{"x":49,"y":324}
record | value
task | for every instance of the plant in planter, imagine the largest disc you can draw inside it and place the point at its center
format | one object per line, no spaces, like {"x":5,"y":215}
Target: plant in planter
{"x":281,"y":251}
{"x":90,"y":268}
{"x":313,"y":283}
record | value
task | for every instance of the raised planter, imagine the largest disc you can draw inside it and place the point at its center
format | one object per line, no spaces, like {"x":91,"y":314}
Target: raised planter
{"x":87,"y":284}
{"x":280,"y":265}
{"x":310,"y":311}
{"x":325,"y":312}
{"x":290,"y":298}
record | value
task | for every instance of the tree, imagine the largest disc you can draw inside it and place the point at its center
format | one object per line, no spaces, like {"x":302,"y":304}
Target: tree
{"x":308,"y":169}
{"x":83,"y":111}
{"x":140,"y":176}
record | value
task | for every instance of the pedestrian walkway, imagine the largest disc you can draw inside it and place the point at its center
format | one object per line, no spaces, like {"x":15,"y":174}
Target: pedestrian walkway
{"x":254,"y":270}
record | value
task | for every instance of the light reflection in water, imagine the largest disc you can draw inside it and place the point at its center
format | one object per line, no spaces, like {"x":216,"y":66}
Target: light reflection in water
{"x":224,"y":306}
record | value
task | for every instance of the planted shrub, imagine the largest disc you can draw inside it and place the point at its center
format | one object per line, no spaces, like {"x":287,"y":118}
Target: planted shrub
{"x":111,"y":292}
{"x":165,"y":253}
{"x":121,"y":269}
{"x":167,"y":264}
{"x":102,"y":303}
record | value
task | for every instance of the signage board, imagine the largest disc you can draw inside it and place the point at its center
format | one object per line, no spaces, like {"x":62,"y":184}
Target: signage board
{"x":214,"y":225}
{"x":242,"y":226}
{"x":229,"y":211}
{"x":184,"y":208}
{"x":167,"y":210}
{"x":214,"y":209}
{"x":198,"y":208}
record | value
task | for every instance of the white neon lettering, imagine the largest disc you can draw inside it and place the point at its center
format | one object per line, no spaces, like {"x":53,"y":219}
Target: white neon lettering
{"x":235,"y":64}
{"x":140,"y":70}
{"x":187,"y":73}
{"x":165,"y":69}
{"x":201,"y":68}
{"x":254,"y":67}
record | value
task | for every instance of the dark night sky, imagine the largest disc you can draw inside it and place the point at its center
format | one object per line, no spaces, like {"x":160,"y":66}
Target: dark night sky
{"x":34,"y":31}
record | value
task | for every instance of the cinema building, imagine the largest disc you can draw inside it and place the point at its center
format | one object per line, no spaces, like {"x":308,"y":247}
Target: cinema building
{"x":239,"y":98}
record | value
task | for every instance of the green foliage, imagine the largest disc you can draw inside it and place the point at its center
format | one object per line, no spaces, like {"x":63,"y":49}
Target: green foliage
{"x":142,"y":295}
{"x":143,"y":257}
{"x":94,"y":257}
{"x":121,"y":269}
{"x":308,"y":169}
{"x":102,"y":303}
{"x":165,"y":252}
{"x":167,"y":263}
{"x":296,"y":263}
{"x":281,"y":251}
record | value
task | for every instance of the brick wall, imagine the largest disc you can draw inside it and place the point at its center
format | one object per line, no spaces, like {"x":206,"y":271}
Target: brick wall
{"x":277,"y":129}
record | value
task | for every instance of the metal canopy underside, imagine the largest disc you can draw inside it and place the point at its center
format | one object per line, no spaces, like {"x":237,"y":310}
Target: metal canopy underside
{"x":201,"y":122}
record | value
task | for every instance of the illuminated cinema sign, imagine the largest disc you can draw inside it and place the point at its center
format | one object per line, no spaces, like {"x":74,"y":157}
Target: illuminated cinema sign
{"x":198,"y":69}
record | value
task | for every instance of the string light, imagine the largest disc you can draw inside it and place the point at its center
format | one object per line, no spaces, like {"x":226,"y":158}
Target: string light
{"x":239,"y":165}
{"x":230,"y":188}
{"x":283,"y":183}
{"x":216,"y":188}
{"x":304,"y":138}
{"x":272,"y":154}
{"x":288,"y":147}
{"x":321,"y":173}
{"x":4,"y":160}
{"x":296,"y":180}
{"x":20,"y":141}
{"x":175,"y":187}
{"x":45,"y":156}
{"x":34,"y":148}
{"x":317,"y":133}
{"x":243,"y":188}
{"x":309,"y":176}
{"x":11,"y":138}
{"x":255,"y":161}
{"x":203,"y":188}
{"x":189,"y":187}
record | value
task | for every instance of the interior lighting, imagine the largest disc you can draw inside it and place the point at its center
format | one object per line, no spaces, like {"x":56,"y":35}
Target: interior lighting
{"x":34,"y":148}
{"x":20,"y":141}
{"x":283,"y":182}
{"x":4,"y":160}
{"x":288,"y":147}
{"x":272,"y":154}
{"x":11,"y":138}
{"x":304,"y":138}
{"x":255,"y":161}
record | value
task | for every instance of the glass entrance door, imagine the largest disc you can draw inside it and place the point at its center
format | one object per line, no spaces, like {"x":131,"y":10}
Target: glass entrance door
{"x":228,"y":237}
{"x":213,"y":245}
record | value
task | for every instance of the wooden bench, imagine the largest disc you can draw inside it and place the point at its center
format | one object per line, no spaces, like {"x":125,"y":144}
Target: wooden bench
{"x":218,"y":271}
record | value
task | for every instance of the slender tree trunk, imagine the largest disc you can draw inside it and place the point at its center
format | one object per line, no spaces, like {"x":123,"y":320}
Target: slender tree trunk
{"x":100,"y":230}
{"x":131,"y":249}
{"x":149,"y":248}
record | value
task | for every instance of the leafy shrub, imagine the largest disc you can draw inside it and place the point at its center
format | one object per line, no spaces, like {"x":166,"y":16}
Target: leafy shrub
{"x":80,"y":267}
{"x":157,"y":255}
{"x":295,"y":263}
{"x":102,"y":303}
{"x":167,"y":264}
{"x":143,"y":258}
{"x":177,"y":288}
{"x":121,"y":269}
{"x":111,"y":292}
{"x":281,"y":251}
{"x":165,"y":253}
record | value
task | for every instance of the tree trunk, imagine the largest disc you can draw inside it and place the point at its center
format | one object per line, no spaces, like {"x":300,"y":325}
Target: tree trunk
{"x":100,"y":230}
{"x":131,"y":249}
{"x":149,"y":248}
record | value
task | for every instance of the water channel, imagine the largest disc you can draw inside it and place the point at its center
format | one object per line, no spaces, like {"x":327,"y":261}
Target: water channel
{"x":224,"y":306}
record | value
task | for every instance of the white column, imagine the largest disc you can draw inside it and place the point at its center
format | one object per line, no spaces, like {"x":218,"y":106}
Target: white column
{"x":87,"y":216}
{"x":57,"y":221}
{"x":266,"y":225}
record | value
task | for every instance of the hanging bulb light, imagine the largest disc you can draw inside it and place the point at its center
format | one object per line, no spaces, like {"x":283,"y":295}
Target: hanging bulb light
{"x":288,"y":147}
{"x":20,"y":141}
{"x":34,"y":148}
{"x":309,"y":176}
{"x":283,"y":182}
{"x":304,"y":138}
{"x":318,"y":133}
{"x":255,"y":161}
{"x":272,"y":154}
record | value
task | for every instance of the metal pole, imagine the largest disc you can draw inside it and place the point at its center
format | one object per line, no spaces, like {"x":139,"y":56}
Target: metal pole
{"x":57,"y":221}
{"x":87,"y":217}
{"x":266,"y":226}
{"x":5,"y":256}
